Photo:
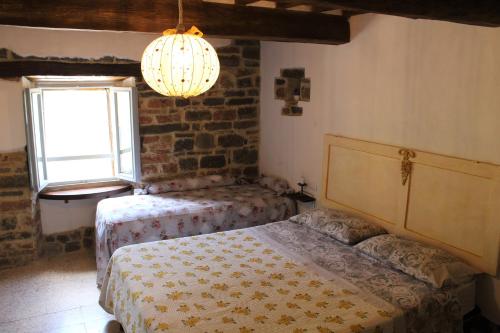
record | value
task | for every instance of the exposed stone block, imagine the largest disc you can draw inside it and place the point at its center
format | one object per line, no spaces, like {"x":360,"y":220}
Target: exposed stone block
{"x":62,"y":238}
{"x":169,"y":168}
{"x":245,"y":124}
{"x":226,"y":50}
{"x":166,"y":128}
{"x":225,"y":114}
{"x":88,"y":232}
{"x":15,"y":205}
{"x":245,"y":156}
{"x":204,"y":140}
{"x":252,"y":63}
{"x":53,"y":249}
{"x":229,"y":60}
{"x":160,"y":102}
{"x":245,"y":82}
{"x":253,"y":92}
{"x":231,"y":140}
{"x":188,"y":164}
{"x":14,"y":181}
{"x":3,"y":53}
{"x":72,"y":246}
{"x":251,"y":172}
{"x":234,"y":93}
{"x":184,"y":135}
{"x":213,"y":101}
{"x":226,"y":81}
{"x":213,"y":161}
{"x":183,"y":144}
{"x":11,"y":193}
{"x":247,"y":112}
{"x":198,"y":115}
{"x":240,"y":101}
{"x":8,"y":223}
{"x":215,"y":126}
{"x":88,"y":243}
{"x":161,"y":119}
{"x":180,"y":102}
{"x":251,"y":53}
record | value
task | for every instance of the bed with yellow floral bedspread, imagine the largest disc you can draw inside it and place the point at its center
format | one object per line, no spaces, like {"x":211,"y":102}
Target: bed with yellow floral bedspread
{"x":236,"y":281}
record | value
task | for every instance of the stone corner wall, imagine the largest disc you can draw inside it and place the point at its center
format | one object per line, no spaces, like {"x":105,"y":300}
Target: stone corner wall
{"x":20,"y":227}
{"x":214,"y":133}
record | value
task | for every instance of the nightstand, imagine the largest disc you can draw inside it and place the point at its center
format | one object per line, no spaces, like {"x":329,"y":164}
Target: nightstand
{"x":303,"y":201}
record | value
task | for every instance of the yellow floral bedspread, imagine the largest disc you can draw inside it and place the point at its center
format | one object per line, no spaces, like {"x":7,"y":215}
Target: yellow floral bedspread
{"x":237,"y":281}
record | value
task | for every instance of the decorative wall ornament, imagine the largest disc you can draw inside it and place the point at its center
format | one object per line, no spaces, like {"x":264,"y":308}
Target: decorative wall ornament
{"x":406,"y":164}
{"x":292,"y":87}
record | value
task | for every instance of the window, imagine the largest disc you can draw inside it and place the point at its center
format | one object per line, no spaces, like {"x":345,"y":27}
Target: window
{"x":81,"y":134}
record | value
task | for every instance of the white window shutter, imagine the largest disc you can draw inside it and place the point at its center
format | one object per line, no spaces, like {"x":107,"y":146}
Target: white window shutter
{"x":125,"y":120}
{"x":35,"y":138}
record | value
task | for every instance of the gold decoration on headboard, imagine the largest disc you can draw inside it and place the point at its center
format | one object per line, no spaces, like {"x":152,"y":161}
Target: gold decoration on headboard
{"x":406,"y":164}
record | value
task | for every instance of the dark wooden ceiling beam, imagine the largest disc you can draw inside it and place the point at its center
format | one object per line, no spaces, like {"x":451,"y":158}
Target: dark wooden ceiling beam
{"x":475,"y":12}
{"x":215,"y":20}
{"x":285,"y":4}
{"x":244,"y":2}
{"x":18,"y":68}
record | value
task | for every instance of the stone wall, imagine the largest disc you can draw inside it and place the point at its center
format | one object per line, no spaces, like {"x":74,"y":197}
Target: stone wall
{"x":19,"y":212}
{"x":215,"y":133}
{"x":69,"y":241}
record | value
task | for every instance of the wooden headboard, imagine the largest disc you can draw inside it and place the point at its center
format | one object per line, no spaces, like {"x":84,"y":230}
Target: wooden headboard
{"x":448,"y":202}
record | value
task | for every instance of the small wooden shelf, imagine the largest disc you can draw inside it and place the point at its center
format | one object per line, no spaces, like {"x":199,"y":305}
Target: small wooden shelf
{"x":85,"y":193}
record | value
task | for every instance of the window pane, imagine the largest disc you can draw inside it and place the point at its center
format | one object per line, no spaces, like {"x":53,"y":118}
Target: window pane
{"x":123,"y":111}
{"x":62,"y":171}
{"x":126,"y":162}
{"x":37,"y":134}
{"x":76,"y":132}
{"x":76,"y":122}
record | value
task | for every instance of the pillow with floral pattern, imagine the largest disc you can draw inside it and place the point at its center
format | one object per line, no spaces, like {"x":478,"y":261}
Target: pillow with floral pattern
{"x":338,"y":224}
{"x":424,"y":262}
{"x":186,"y":184}
{"x":278,"y":185}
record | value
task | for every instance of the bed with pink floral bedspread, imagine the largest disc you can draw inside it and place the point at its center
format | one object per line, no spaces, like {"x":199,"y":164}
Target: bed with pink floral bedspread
{"x":137,"y":219}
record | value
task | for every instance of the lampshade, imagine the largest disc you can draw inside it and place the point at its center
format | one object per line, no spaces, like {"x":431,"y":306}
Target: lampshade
{"x":180,"y":64}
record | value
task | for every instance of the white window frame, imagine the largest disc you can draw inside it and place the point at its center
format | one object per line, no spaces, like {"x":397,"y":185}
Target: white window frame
{"x":38,"y":175}
{"x":135,"y":146}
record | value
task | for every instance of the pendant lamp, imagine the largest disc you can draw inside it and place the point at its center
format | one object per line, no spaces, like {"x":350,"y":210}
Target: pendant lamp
{"x":180,"y":63}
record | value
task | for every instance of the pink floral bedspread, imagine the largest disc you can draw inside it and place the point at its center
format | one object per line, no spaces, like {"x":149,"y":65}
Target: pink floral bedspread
{"x":145,"y":218}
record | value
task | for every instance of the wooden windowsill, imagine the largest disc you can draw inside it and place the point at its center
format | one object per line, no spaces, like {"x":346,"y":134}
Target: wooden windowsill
{"x":84,"y":193}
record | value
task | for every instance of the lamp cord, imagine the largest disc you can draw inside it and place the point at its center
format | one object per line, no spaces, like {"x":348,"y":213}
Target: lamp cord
{"x":180,"y":25}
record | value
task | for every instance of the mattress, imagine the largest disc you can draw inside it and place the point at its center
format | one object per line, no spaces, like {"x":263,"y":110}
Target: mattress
{"x":279,"y":277}
{"x":138,"y":219}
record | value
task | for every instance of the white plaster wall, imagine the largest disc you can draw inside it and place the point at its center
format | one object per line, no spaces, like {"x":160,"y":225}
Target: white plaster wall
{"x":56,"y":215}
{"x":12,"y":133}
{"x":428,"y":85}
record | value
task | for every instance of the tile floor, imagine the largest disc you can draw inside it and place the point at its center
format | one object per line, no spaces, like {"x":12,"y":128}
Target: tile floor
{"x":53,"y":295}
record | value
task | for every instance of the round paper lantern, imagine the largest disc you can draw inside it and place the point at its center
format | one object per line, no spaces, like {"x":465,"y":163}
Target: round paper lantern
{"x":180,"y":64}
